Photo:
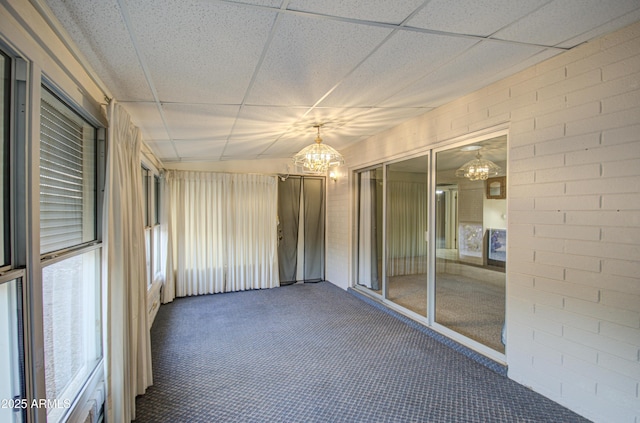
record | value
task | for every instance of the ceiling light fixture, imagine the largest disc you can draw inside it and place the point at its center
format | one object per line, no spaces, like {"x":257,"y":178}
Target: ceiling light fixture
{"x":478,"y":169}
{"x":317,"y":158}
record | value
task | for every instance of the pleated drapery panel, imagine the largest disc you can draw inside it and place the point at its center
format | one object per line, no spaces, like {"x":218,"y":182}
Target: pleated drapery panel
{"x":127,"y":354}
{"x":224,"y":231}
{"x":406,"y":243}
{"x":368,"y":231}
{"x":166,"y":242}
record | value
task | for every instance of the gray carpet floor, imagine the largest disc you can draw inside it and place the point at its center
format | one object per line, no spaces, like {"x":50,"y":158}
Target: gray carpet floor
{"x":471,"y":307}
{"x":315,"y":353}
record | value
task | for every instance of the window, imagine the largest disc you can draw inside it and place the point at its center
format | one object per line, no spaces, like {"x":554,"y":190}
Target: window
{"x":11,"y":359}
{"x":12,"y":388}
{"x":145,"y":196}
{"x":156,"y":226}
{"x":71,"y":251}
{"x":5,"y":116}
{"x":146,"y":202}
{"x":151,"y":217}
{"x":67,"y":177}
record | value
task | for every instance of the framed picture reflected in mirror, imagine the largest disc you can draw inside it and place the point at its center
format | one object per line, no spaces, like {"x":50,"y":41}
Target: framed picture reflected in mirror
{"x":497,"y":188}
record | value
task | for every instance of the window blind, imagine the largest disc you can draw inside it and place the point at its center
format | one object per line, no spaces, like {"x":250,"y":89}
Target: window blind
{"x":67,"y":177}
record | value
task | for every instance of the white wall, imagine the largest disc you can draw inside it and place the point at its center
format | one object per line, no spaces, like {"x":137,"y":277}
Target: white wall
{"x":573,"y":286}
{"x":266,"y":167}
{"x":494,"y":213}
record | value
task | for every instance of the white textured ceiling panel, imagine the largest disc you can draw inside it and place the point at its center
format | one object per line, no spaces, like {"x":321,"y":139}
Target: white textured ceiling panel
{"x":217,"y":44}
{"x":472,"y":17}
{"x":288,"y":146}
{"x":163,"y":148}
{"x":468,"y":72}
{"x":101,"y":34}
{"x":199,"y":121}
{"x":260,"y":122}
{"x":308,"y":56}
{"x":403,"y":59}
{"x":563,"y":20}
{"x":393,"y":12}
{"x":376,"y":120}
{"x":246,"y":149}
{"x":196,"y":149}
{"x":213,"y":80}
{"x":147,"y":117}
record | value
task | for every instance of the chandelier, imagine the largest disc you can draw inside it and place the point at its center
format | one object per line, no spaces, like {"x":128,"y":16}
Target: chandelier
{"x":478,"y":169}
{"x":317,"y":158}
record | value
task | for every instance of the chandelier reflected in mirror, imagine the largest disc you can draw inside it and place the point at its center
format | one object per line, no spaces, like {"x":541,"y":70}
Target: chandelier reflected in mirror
{"x":317,"y":158}
{"x":478,"y":169}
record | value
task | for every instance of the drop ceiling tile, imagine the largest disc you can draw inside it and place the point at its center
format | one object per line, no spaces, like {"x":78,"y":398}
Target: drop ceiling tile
{"x":330,"y":118}
{"x":376,"y":120}
{"x":473,"y":70}
{"x":200,"y":149}
{"x":199,"y":121}
{"x":265,"y":121}
{"x":246,"y":149}
{"x":163,"y":150}
{"x":286,"y":147}
{"x":606,"y":28}
{"x":308,"y":56}
{"x":216,"y":44}
{"x":472,"y":17}
{"x":266,"y":3}
{"x":97,"y":28}
{"x":403,"y":59}
{"x":393,"y":12}
{"x":563,"y":20}
{"x":147,"y":117}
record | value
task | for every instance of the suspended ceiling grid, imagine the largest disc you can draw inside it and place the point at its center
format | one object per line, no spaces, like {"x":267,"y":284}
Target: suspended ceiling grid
{"x":211,"y":80}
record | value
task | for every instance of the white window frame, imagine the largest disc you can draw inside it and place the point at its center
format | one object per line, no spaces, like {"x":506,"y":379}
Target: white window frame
{"x":152,"y":219}
{"x":40,"y":262}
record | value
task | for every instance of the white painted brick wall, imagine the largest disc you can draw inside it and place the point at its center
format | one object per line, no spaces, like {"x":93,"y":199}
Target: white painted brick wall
{"x":573,"y":273}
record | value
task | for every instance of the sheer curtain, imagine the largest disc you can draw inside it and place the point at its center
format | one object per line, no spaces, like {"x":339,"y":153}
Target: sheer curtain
{"x":127,"y":346}
{"x":224,"y":230}
{"x":166,"y":242}
{"x":367,"y":231}
{"x":406,"y":228}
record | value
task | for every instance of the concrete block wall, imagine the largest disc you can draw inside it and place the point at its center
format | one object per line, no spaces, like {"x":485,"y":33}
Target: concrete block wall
{"x":573,"y":272}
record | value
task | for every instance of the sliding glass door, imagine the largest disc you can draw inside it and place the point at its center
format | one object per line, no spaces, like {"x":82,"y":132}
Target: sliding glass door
{"x":406,"y":237}
{"x":369,"y":224}
{"x":392,"y":244}
{"x":446,"y":269}
{"x":470,"y":234}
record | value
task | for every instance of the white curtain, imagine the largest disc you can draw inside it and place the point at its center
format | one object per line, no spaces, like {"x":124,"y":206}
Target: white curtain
{"x":224,"y":229}
{"x":127,"y":346}
{"x":166,"y":243}
{"x":368,"y":231}
{"x":406,"y":228}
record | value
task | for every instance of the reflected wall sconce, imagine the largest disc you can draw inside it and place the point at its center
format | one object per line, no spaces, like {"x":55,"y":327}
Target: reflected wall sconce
{"x":333,"y":176}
